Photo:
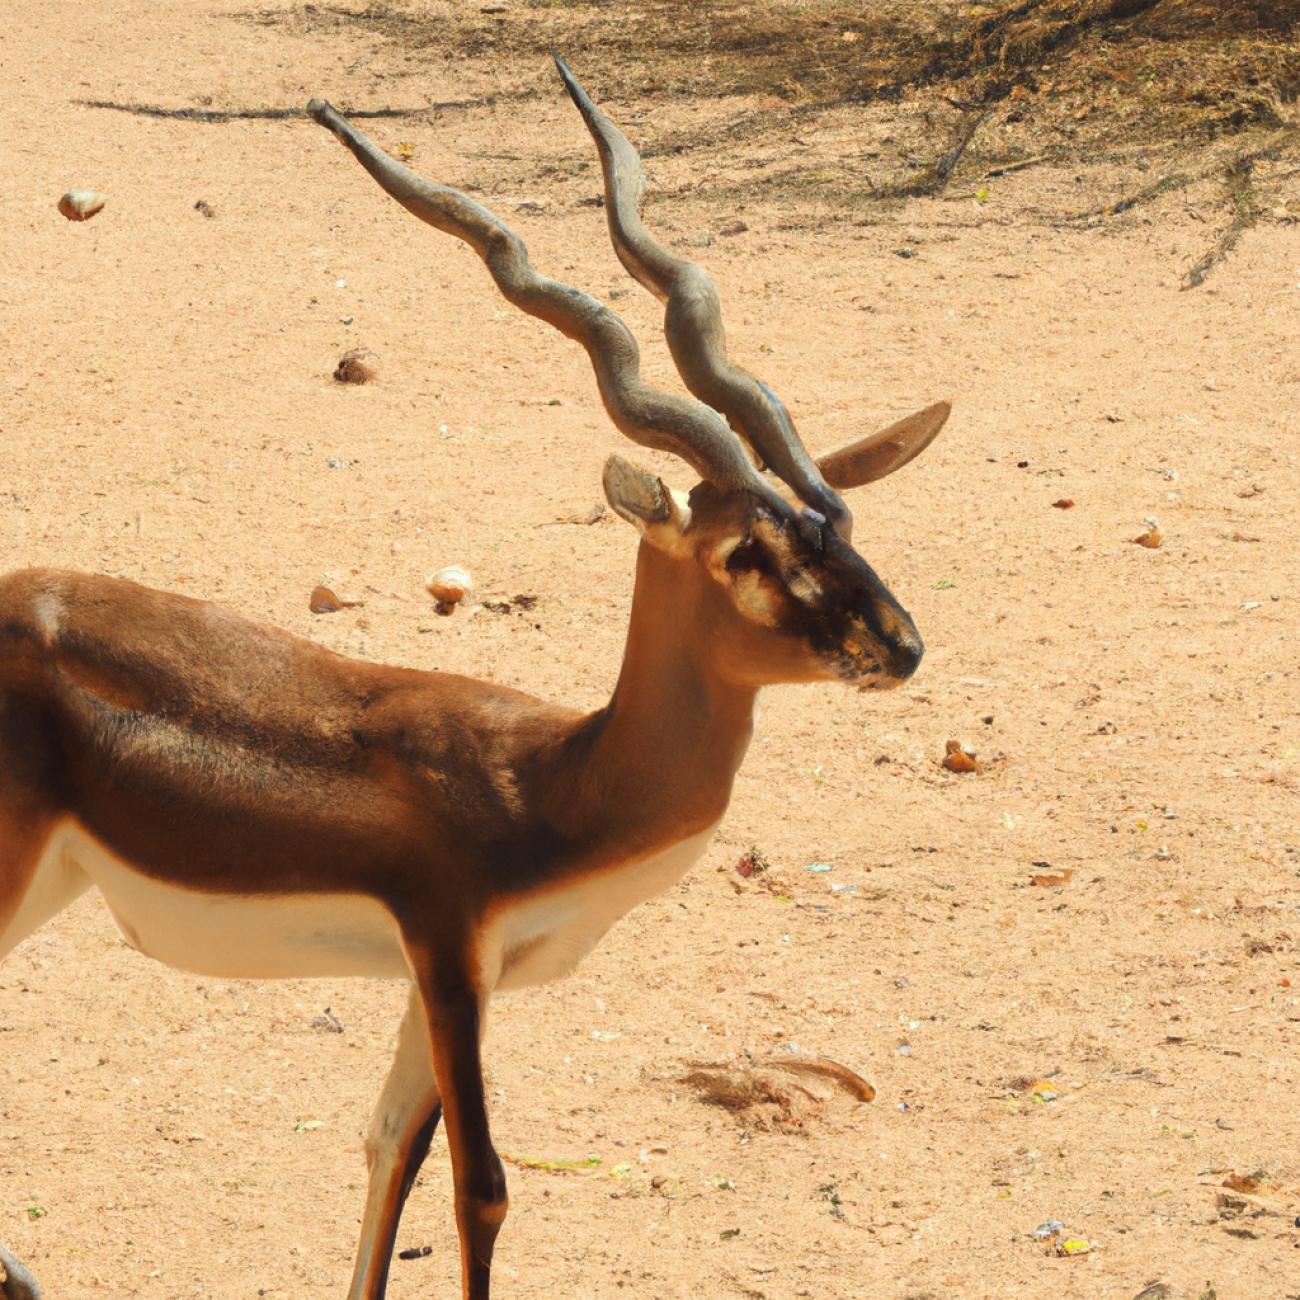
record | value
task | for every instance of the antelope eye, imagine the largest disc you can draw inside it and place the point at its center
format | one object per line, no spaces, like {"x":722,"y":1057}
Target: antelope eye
{"x":750,"y":557}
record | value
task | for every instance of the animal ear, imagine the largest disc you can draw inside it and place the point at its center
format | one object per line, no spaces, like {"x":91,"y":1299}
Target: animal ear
{"x":882,"y":453}
{"x":645,"y":502}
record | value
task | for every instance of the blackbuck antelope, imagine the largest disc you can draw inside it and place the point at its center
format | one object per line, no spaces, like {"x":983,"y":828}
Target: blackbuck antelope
{"x":252,"y":806}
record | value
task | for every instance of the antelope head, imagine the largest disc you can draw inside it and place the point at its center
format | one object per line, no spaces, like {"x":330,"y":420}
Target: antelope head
{"x":764,"y":541}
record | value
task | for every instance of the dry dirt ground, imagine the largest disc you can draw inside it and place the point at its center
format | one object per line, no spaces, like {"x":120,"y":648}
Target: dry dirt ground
{"x":1105,"y":1051}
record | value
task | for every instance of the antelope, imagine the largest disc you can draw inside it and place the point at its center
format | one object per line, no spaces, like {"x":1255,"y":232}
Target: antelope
{"x":253,"y":806}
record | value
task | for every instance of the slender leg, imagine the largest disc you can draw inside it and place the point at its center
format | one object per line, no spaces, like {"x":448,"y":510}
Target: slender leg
{"x":398,"y":1141}
{"x":16,"y":1283}
{"x":455,"y":1014}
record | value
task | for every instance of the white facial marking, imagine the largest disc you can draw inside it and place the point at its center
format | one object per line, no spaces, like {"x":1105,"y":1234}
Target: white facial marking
{"x":682,"y":503}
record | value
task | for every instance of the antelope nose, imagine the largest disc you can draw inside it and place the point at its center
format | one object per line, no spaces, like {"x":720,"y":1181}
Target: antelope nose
{"x":904,"y":649}
{"x":900,"y":644}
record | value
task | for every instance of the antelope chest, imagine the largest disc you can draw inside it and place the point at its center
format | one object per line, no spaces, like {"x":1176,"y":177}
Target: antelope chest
{"x":542,"y":936}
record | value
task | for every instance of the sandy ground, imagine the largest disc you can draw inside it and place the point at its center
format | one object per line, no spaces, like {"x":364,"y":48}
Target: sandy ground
{"x":1105,"y":1052}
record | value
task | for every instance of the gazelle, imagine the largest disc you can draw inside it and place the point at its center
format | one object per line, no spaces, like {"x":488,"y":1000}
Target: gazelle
{"x":252,"y":806}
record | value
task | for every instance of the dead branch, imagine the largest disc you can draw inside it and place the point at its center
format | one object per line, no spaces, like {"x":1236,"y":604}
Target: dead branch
{"x":1005,"y":169}
{"x":1237,"y":177}
{"x":266,"y":114}
{"x":933,"y":181}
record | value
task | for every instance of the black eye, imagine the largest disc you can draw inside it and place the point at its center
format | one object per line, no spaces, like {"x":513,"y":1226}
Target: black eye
{"x":750,"y":557}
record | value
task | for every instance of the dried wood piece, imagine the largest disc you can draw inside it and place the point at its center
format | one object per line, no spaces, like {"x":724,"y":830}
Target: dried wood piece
{"x":847,"y":1080}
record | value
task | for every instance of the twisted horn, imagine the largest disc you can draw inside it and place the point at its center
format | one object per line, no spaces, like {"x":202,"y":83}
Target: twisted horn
{"x":693,"y":321}
{"x":698,"y":435}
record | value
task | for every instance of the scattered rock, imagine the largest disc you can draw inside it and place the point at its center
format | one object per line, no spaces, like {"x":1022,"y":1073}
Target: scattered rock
{"x":734,"y":228}
{"x":1064,"y":503}
{"x":1052,"y":880}
{"x":1152,"y":538}
{"x":960,"y":758}
{"x":206,"y":208}
{"x":449,"y":587}
{"x":81,"y":205}
{"x":326,"y":601}
{"x":595,"y":515}
{"x":359,"y":366}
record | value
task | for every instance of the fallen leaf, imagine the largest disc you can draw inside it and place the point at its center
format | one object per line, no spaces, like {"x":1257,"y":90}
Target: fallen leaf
{"x":1073,"y":1246}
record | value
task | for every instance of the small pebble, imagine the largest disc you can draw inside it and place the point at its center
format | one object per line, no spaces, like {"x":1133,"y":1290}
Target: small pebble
{"x":359,"y":366}
{"x":80,"y":205}
{"x":451,"y":586}
{"x":325,"y":601}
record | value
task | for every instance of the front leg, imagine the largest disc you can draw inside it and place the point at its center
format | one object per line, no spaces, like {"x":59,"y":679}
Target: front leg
{"x":396,"y":1144}
{"x":454,"y":1009}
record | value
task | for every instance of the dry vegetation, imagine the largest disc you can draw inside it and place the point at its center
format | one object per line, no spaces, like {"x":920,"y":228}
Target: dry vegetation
{"x":1171,"y":66}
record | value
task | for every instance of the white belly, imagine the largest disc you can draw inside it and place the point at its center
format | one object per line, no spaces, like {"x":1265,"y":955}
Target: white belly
{"x":543,"y":936}
{"x":222,"y":935}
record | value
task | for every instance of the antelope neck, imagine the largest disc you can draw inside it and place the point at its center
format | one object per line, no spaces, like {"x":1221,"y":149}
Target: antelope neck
{"x":665,"y":750}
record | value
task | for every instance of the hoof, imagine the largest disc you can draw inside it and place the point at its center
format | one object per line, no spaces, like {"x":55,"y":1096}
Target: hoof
{"x":16,"y":1283}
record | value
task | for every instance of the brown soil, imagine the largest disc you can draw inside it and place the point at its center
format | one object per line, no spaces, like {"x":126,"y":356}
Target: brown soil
{"x":1105,"y":1051}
